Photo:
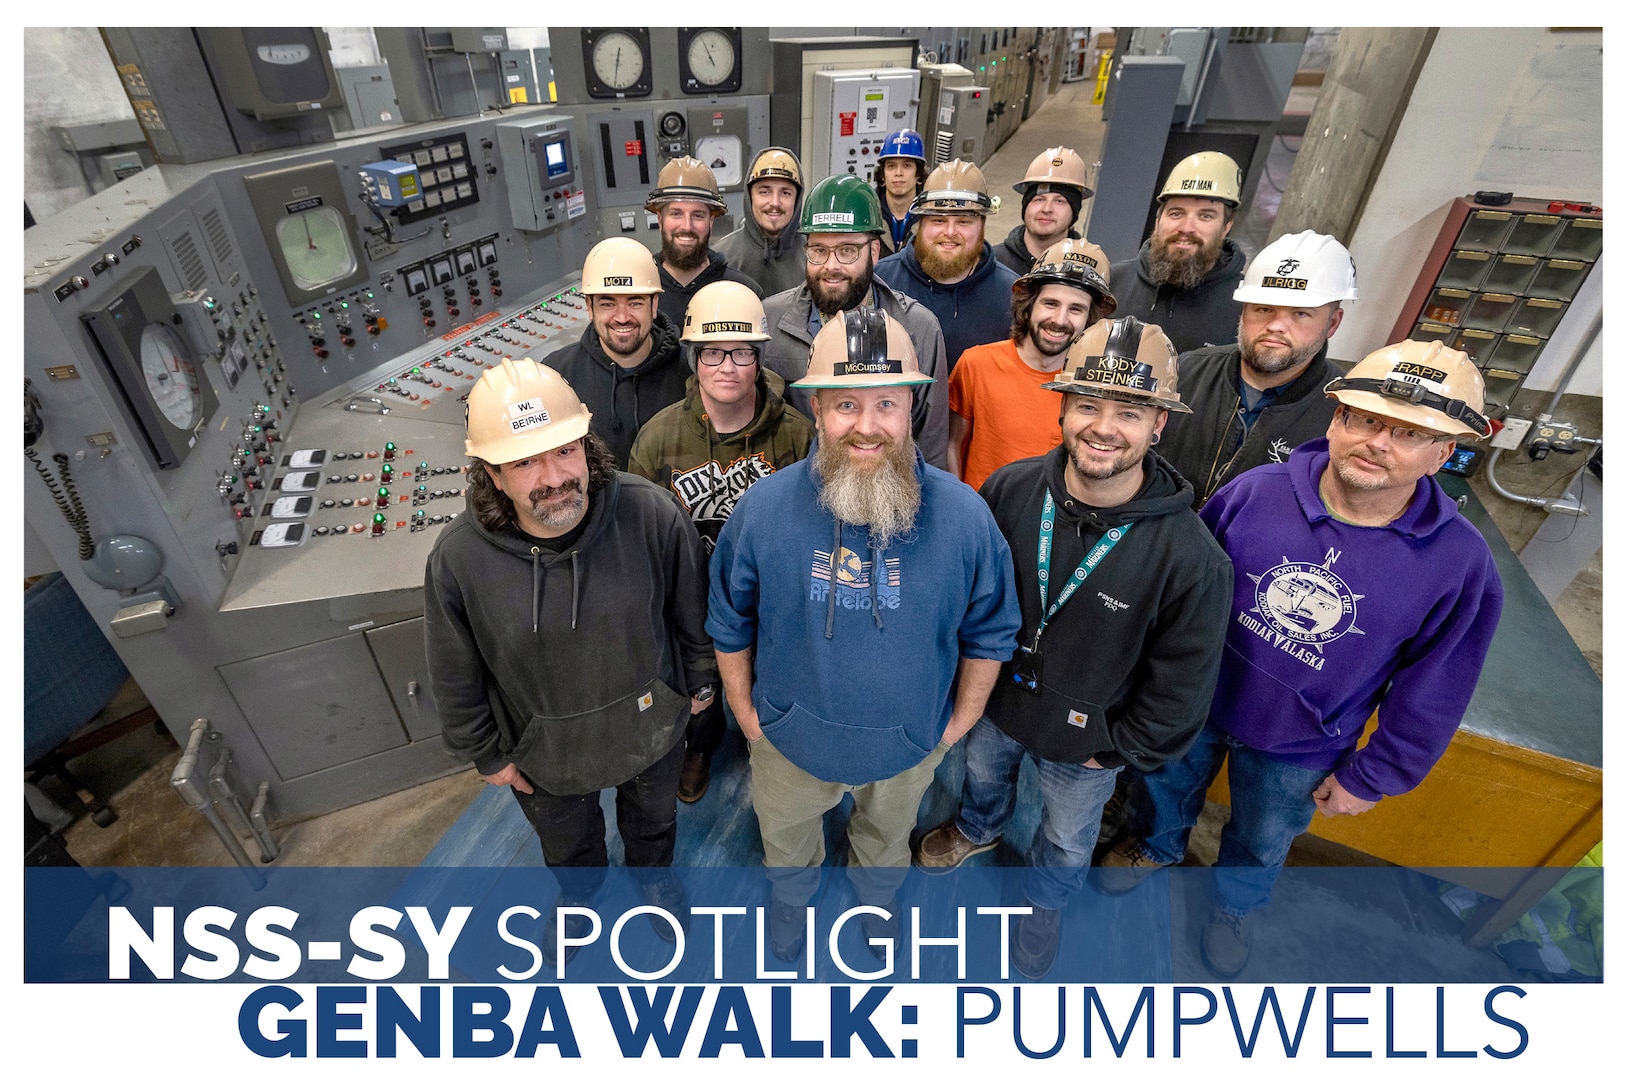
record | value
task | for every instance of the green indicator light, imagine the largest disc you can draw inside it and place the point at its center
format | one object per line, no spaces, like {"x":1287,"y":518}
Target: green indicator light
{"x":423,"y":487}
{"x":384,"y":494}
{"x":418,"y":513}
{"x":316,"y":314}
{"x":389,"y":446}
{"x":378,"y":519}
{"x":388,"y":469}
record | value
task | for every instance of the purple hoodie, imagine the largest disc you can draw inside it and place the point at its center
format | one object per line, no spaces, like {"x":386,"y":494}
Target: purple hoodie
{"x":1330,"y":621}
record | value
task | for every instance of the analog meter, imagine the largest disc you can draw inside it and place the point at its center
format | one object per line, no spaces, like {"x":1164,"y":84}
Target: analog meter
{"x":617,"y":62}
{"x":316,"y":247}
{"x":709,"y":59}
{"x":304,"y":216}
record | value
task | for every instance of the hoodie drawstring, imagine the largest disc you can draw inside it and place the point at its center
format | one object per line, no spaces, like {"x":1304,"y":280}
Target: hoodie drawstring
{"x":536,"y":586}
{"x":831,"y":592}
{"x":575,"y":591}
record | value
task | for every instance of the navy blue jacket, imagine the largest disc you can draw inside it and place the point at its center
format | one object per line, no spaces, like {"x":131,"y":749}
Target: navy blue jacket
{"x":974,"y":311}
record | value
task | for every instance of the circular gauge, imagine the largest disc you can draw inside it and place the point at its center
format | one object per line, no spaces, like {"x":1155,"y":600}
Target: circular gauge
{"x":316,"y":246}
{"x":671,"y":125}
{"x":618,"y":60}
{"x":712,"y":57}
{"x":171,"y":378}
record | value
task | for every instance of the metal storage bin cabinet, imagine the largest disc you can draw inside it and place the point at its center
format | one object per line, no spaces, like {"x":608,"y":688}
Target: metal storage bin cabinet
{"x":1497,"y":283}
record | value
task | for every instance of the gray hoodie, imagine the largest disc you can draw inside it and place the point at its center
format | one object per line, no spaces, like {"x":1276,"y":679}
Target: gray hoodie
{"x":776,"y":264}
{"x":575,"y":665}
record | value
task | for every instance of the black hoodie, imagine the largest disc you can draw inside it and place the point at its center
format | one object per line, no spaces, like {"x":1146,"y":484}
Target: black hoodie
{"x":623,"y":399}
{"x":675,"y":298}
{"x":1192,"y":318}
{"x":576,"y":665}
{"x":1136,"y":650}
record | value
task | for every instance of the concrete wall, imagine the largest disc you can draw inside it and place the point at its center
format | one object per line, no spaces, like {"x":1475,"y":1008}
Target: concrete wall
{"x":1506,"y":109}
{"x":68,"y":78}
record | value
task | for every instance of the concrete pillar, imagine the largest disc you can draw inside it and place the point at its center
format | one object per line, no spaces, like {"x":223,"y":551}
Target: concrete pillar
{"x":1363,"y":98}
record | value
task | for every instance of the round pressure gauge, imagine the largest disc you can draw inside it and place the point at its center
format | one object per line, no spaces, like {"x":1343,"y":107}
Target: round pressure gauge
{"x":171,"y":378}
{"x":618,"y":61}
{"x":316,"y":246}
{"x":711,"y":56}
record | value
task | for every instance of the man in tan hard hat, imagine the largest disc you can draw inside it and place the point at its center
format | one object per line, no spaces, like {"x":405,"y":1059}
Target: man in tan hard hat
{"x":1183,"y":278}
{"x":862,"y":603}
{"x":841,"y":224}
{"x":626,"y":366}
{"x":949,"y":268}
{"x":1358,"y":587}
{"x":1117,"y":674}
{"x":1053,"y":190}
{"x":768,"y":245}
{"x":529,"y":594}
{"x":732,"y":429}
{"x":685,"y":200}
{"x":1000,"y":410}
{"x":1260,"y":397}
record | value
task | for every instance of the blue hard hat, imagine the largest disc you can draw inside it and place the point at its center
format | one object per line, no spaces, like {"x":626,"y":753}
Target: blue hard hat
{"x":904,"y":143}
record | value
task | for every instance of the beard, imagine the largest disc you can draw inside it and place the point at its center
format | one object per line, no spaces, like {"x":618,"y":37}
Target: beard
{"x":684,"y":261}
{"x":948,"y":267}
{"x":884,"y":495}
{"x":1282,"y":359}
{"x":1045,"y":348}
{"x":1128,"y":458}
{"x":1352,"y":477}
{"x":1182,"y":271}
{"x":564,"y":514}
{"x":829,"y":300}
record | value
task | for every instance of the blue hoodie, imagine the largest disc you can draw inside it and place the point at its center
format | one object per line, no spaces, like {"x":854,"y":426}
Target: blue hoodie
{"x":855,"y":671}
{"x":1331,"y":621}
{"x":974,"y":311}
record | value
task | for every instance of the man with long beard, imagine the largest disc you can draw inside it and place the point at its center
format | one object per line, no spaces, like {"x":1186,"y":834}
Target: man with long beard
{"x":950,"y":268}
{"x":1258,"y":399}
{"x":841,"y":223}
{"x":685,"y":200}
{"x":999,"y":409}
{"x":862,"y":603}
{"x":526,"y":597}
{"x":627,"y":365}
{"x":1184,"y":276}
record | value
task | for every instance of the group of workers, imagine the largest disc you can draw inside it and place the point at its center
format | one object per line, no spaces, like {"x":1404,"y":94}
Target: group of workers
{"x":959,"y":493}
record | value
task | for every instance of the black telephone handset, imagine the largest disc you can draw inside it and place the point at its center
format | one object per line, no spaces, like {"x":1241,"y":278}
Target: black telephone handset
{"x":63,"y":493}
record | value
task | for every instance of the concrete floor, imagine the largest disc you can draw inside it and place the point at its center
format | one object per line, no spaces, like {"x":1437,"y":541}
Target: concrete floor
{"x":155,"y":828}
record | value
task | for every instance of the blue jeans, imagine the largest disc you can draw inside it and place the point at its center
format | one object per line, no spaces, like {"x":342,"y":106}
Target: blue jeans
{"x":1071,"y":802}
{"x":1271,"y":805}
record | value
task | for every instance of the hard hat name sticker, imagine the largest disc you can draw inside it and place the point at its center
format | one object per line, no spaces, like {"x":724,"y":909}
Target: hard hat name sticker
{"x":1117,"y":371}
{"x":618,"y":279}
{"x":833,"y":217}
{"x":1419,"y":372}
{"x":1297,"y":283}
{"x":726,"y":328}
{"x":528,"y":414}
{"x":1198,"y":185}
{"x":869,"y":367}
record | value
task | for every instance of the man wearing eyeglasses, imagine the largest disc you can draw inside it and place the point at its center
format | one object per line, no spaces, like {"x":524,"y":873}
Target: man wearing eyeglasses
{"x":732,"y":429}
{"x":842,"y":222}
{"x":1358,"y":587}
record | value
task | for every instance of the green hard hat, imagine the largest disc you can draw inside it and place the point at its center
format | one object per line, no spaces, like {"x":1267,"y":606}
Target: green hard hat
{"x":841,"y":204}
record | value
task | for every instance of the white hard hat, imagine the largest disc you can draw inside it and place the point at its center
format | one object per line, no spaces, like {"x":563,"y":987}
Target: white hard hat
{"x":1305,"y":269}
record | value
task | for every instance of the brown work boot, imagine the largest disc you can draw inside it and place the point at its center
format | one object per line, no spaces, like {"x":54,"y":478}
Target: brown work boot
{"x":1226,"y":943}
{"x":696,"y":776}
{"x":1125,"y":867}
{"x":945,"y":848}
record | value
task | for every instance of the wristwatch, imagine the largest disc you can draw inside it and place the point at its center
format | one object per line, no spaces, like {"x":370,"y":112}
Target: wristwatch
{"x":705,"y":694}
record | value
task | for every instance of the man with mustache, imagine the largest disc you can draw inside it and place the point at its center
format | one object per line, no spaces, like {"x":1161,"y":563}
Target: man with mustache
{"x":1053,"y":191}
{"x":950,"y":268}
{"x":767,"y":245}
{"x":862,"y":603}
{"x":1111,"y":676}
{"x":1259,"y":398}
{"x":1358,"y":587}
{"x":1185,"y":274}
{"x":626,"y":366}
{"x":560,"y":565}
{"x":685,"y":200}
{"x":841,"y":224}
{"x":1000,"y":410}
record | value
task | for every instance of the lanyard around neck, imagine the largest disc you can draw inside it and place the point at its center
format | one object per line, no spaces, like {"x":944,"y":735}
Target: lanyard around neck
{"x":1093,"y":558}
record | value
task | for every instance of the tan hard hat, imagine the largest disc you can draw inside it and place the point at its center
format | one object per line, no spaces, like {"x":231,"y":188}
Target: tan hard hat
{"x":775,"y":163}
{"x":955,"y":187}
{"x":860,"y":348}
{"x":725,"y":311}
{"x":619,"y":264}
{"x":1123,"y":359}
{"x":686,"y":179}
{"x":520,"y":409}
{"x":1063,"y":262}
{"x":1207,"y":174}
{"x":1059,"y":167}
{"x":1420,"y":383}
